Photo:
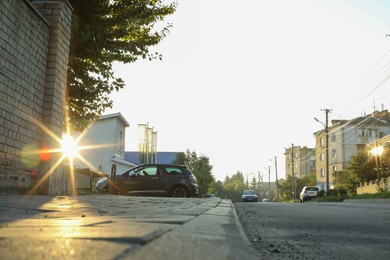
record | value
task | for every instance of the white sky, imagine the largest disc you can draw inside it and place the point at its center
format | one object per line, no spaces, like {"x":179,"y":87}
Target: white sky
{"x":241,"y":80}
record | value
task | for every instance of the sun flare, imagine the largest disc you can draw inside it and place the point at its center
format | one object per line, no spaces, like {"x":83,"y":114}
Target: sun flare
{"x":69,"y":147}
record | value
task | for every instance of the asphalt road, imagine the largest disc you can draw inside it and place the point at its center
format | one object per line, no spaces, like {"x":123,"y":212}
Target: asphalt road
{"x":317,"y":230}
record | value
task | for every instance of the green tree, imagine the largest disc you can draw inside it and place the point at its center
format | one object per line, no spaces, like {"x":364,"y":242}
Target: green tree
{"x":345,"y":183}
{"x":285,"y":189}
{"x":104,"y":31}
{"x":253,"y":183}
{"x":180,"y":159}
{"x":201,"y":168}
{"x":362,"y":167}
{"x":234,"y":186}
{"x":216,"y":187}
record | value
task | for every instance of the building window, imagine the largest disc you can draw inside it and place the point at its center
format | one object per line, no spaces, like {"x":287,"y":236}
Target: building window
{"x":333,"y":138}
{"x":322,"y":157}
{"x":322,"y":172}
{"x":363,"y":132}
{"x":322,"y":143}
{"x":334,"y":168}
{"x":334,"y":154}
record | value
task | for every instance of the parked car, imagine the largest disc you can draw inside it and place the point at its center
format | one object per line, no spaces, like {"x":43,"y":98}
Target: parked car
{"x":154,"y":180}
{"x":266,"y":200}
{"x":249,"y":195}
{"x":308,"y":193}
{"x":211,"y":196}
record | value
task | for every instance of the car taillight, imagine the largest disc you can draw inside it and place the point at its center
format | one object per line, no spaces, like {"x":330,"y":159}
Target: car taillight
{"x":191,"y":178}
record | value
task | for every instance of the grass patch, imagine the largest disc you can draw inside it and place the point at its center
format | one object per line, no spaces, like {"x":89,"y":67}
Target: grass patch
{"x":384,"y":195}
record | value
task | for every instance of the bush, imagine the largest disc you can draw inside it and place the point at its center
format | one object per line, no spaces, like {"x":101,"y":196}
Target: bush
{"x":321,"y":193}
{"x":342,"y":192}
{"x":332,"y":193}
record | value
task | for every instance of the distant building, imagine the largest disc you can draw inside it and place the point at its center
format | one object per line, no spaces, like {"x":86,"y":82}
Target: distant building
{"x":161,"y":157}
{"x":345,"y":138}
{"x":301,"y":160}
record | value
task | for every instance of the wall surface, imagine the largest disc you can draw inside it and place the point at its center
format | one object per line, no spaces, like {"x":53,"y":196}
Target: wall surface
{"x":34,"y":48}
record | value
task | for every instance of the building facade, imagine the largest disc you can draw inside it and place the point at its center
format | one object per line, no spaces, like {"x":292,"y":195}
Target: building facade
{"x":345,"y":138}
{"x":300,"y":160}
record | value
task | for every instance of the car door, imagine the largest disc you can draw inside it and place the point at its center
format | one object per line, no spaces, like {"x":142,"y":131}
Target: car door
{"x":143,"y":180}
{"x":170,"y":177}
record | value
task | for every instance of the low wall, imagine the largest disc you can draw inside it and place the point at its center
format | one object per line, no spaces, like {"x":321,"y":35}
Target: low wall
{"x":371,"y":187}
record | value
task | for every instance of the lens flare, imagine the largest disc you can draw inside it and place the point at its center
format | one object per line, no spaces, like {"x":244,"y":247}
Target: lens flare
{"x":45,"y":153}
{"x":69,"y":147}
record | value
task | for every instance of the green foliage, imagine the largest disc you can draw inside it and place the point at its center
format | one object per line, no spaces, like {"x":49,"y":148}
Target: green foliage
{"x":216,"y":187}
{"x":104,"y":31}
{"x":180,"y":159}
{"x":253,"y":184}
{"x":201,"y":168}
{"x":383,"y":195}
{"x":345,"y":183}
{"x":361,"y":167}
{"x":234,"y":186}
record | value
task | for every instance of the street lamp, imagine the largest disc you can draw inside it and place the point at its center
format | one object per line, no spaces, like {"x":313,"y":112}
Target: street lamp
{"x":292,"y":170}
{"x":326,"y":147}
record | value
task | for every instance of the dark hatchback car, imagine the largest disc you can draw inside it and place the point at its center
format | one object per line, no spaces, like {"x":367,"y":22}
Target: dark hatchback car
{"x":157,"y":180}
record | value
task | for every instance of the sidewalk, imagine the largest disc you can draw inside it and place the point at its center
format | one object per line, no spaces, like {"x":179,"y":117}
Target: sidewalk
{"x":120,"y":227}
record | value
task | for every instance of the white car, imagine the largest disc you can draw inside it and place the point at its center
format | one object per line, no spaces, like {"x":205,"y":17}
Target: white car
{"x":308,"y":193}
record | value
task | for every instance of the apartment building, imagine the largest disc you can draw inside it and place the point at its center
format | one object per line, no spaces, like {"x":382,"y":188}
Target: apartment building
{"x":345,"y":138}
{"x":300,"y":160}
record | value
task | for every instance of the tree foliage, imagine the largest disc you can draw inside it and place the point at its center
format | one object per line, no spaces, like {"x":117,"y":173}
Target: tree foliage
{"x":201,"y":168}
{"x":361,"y":167}
{"x":365,"y":167}
{"x":104,"y":31}
{"x":234,"y":186}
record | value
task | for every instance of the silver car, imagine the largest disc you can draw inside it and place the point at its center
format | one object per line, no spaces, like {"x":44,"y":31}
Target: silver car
{"x":308,"y":193}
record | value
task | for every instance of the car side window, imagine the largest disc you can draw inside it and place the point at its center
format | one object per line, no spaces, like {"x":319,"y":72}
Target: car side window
{"x":173,"y":170}
{"x":147,"y":171}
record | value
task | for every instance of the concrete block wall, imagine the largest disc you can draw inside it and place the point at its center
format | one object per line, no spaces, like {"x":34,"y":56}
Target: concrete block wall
{"x":34,"y":45}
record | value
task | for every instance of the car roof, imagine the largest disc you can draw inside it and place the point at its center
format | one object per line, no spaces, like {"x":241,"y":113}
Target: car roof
{"x":161,"y":164}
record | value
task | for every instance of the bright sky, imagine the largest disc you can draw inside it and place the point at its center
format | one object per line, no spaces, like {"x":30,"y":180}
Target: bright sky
{"x":241,"y":80}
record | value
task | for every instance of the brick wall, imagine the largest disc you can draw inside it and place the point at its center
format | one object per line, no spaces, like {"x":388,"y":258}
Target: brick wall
{"x":34,"y":44}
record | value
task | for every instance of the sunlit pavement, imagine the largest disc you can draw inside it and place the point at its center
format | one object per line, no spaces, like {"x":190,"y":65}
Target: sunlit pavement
{"x":120,"y":227}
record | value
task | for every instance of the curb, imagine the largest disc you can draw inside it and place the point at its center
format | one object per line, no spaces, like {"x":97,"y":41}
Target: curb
{"x":380,"y":201}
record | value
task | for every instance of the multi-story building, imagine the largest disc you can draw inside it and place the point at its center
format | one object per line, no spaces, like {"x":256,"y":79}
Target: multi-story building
{"x":345,"y":138}
{"x":299,"y":159}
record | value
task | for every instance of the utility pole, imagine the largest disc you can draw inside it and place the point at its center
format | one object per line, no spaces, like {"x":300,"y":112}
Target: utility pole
{"x":277,"y":182}
{"x":292,"y":172}
{"x":269,"y":182}
{"x":327,"y":148}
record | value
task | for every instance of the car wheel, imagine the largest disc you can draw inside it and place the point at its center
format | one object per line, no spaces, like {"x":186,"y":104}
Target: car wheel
{"x":179,"y":191}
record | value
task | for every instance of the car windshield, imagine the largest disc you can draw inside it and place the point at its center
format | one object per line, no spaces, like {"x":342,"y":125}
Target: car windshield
{"x":249,"y":192}
{"x":312,"y":189}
